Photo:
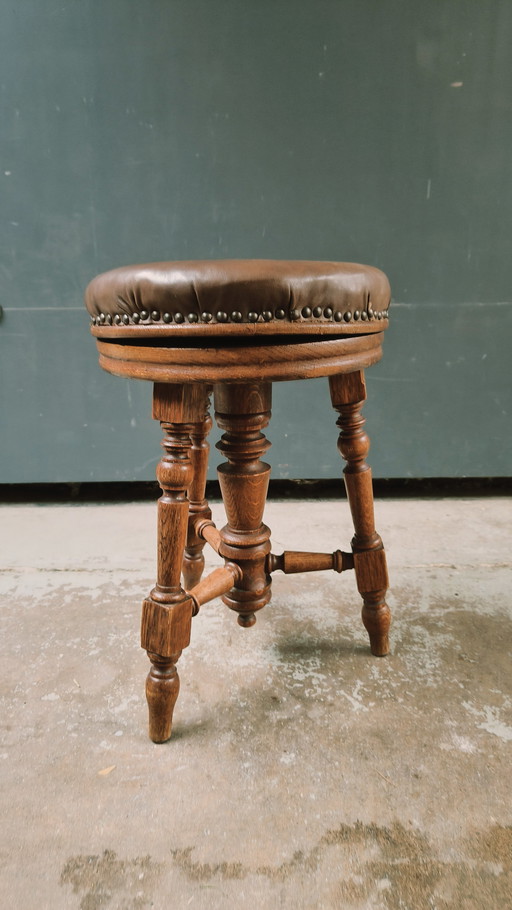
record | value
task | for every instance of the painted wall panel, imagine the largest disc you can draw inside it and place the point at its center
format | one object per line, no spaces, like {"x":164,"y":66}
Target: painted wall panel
{"x":378,"y":132}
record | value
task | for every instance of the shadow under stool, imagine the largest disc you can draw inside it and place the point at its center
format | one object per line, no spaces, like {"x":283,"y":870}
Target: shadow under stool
{"x":234,"y":327}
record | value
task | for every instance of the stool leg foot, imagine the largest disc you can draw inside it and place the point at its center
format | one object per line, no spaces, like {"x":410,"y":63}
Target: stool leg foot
{"x":167,"y":612}
{"x":348,"y":393}
{"x":377,"y":620}
{"x":162,"y":688}
{"x":193,"y":561}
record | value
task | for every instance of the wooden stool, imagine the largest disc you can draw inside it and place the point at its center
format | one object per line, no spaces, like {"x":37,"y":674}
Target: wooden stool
{"x":235,"y":327}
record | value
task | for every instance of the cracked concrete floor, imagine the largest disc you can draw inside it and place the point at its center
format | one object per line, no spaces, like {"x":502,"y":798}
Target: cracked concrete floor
{"x":302,"y":772}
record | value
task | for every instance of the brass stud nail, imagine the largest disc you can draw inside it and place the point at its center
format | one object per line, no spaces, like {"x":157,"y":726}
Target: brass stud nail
{"x":192,"y":317}
{"x":126,"y":319}
{"x":236,"y":316}
{"x":117,"y":319}
{"x":356,"y":314}
{"x":206,"y":317}
{"x":317,"y":311}
{"x":155,"y":315}
{"x":347,"y":316}
{"x":167,"y":317}
{"x":280,"y":314}
{"x":108,"y":319}
{"x":179,"y":317}
{"x":221,"y":316}
{"x":144,"y":314}
{"x":364,"y":315}
{"x":267,"y":315}
{"x":102,"y":318}
{"x":135,"y":318}
{"x":295,"y":314}
{"x":306,"y":312}
{"x":252,"y":317}
{"x":338,"y":316}
{"x":328,"y":312}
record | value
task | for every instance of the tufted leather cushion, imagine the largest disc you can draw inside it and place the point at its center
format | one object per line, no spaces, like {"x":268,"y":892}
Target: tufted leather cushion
{"x":234,"y":297}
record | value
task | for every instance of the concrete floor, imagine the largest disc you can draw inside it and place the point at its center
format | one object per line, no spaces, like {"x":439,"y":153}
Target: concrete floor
{"x":302,"y":772}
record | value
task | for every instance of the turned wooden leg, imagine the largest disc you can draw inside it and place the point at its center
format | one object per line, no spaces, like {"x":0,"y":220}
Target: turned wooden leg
{"x":193,"y":563}
{"x":167,"y":612}
{"x":242,"y":410}
{"x":348,"y":393}
{"x":162,"y":689}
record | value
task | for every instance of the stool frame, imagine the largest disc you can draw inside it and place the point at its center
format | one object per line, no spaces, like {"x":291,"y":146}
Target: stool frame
{"x":240,"y":377}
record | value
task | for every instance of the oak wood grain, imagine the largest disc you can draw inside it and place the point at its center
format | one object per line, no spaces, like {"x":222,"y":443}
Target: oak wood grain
{"x":348,"y":394}
{"x":242,"y":411}
{"x":193,"y":560}
{"x":218,"y":582}
{"x":294,"y":561}
{"x":274,"y":362}
{"x":167,"y":612}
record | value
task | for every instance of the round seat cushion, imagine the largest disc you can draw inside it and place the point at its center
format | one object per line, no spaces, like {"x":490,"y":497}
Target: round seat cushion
{"x":238,"y":297}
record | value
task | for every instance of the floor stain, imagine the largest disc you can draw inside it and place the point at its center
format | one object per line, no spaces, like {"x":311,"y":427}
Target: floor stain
{"x":103,"y":878}
{"x":393,"y":868}
{"x":204,"y":872}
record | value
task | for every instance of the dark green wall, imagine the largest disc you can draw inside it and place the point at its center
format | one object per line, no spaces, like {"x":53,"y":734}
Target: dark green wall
{"x":377,"y":132}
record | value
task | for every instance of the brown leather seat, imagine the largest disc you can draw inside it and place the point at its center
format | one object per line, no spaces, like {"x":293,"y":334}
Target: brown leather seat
{"x":238,"y":297}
